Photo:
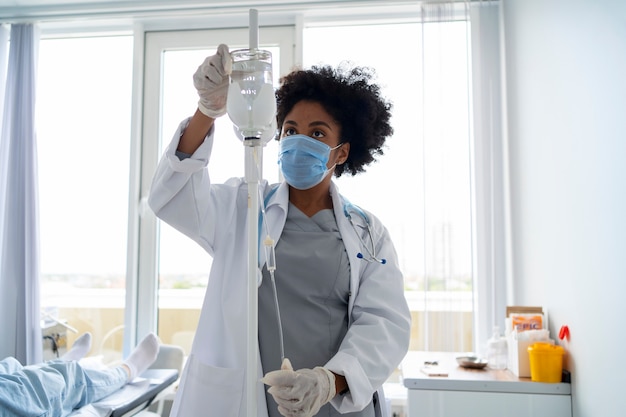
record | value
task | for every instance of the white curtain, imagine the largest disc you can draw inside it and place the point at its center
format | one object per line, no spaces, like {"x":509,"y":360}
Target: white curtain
{"x":489,"y":170}
{"x":4,"y":57}
{"x":486,"y":153}
{"x":19,"y":225}
{"x":446,"y":132}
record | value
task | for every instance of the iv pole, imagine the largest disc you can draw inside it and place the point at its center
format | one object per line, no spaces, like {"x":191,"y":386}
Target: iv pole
{"x":248,"y":117}
{"x":253,"y":150}
{"x":253,"y":153}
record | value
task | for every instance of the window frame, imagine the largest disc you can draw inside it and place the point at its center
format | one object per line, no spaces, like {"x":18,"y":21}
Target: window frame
{"x":142,"y":298}
{"x":491,"y":199}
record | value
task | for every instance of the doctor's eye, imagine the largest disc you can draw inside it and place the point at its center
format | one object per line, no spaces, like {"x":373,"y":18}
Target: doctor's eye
{"x":318,"y":134}
{"x":289,"y":131}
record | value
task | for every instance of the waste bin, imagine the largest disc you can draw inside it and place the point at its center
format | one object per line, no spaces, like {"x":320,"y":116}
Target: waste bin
{"x":546,"y":362}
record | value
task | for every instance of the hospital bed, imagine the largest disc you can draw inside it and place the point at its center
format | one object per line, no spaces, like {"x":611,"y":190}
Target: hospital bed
{"x":155,"y":384}
{"x":133,"y":398}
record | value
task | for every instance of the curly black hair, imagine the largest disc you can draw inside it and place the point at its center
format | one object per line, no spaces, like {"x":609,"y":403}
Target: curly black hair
{"x":351,"y":98}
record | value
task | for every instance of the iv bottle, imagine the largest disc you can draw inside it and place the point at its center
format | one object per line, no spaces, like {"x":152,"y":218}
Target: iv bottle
{"x":251,"y":103}
{"x":497,"y":351}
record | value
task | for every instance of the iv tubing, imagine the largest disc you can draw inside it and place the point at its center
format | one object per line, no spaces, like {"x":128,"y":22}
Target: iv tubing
{"x":280,"y":324}
{"x":270,"y":263}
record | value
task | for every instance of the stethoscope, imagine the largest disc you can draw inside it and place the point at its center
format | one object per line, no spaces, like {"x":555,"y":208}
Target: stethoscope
{"x":370,"y":255}
{"x":371,"y":250}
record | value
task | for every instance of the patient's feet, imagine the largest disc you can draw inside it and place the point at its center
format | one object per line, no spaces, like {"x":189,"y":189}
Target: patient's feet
{"x":79,"y":349}
{"x":142,"y":356}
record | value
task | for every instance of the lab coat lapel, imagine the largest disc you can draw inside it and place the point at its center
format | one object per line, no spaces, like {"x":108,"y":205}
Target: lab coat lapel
{"x":276,"y":211}
{"x":351,"y":242}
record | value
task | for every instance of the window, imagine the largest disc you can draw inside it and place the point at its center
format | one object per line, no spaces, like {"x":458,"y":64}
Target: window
{"x":110,"y":267}
{"x":425,"y":172}
{"x":420,"y":188}
{"x":83,"y":136}
{"x":182,"y":266}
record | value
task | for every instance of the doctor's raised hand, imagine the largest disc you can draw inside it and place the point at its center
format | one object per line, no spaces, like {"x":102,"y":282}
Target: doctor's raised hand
{"x":211,"y":81}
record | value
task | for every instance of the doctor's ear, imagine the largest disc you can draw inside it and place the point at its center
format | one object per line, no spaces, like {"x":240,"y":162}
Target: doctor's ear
{"x":344,"y":153}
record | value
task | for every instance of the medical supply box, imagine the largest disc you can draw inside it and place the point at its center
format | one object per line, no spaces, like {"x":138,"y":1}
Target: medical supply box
{"x":524,"y":326}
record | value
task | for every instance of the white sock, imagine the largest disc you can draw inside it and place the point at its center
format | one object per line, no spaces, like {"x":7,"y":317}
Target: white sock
{"x":79,"y":349}
{"x":142,"y":356}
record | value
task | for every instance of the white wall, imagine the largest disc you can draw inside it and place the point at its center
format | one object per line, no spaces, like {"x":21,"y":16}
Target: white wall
{"x":566,"y":89}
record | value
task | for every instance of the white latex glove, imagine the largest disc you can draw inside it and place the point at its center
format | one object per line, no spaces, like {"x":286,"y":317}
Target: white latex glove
{"x":300,"y":393}
{"x":211,"y":81}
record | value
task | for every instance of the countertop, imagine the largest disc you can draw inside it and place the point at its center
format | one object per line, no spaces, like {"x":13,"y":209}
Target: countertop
{"x":464,"y":379}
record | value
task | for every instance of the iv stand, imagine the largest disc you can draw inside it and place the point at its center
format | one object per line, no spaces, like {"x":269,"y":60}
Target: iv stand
{"x":251,"y":106}
{"x":253,"y":146}
{"x":253,"y":152}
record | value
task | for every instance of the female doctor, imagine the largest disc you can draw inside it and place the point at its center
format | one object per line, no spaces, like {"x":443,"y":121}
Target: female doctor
{"x":345,"y":321}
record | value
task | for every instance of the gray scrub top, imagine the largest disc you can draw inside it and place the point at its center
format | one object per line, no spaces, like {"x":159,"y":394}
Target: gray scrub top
{"x":313,"y":283}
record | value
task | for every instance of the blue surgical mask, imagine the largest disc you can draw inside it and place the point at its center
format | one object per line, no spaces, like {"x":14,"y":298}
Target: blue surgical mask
{"x":303,"y":161}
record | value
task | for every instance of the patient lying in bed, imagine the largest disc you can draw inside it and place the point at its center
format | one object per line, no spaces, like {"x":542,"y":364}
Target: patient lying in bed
{"x":55,"y":388}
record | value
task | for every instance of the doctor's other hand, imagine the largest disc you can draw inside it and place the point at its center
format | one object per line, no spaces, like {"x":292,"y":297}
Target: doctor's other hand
{"x":300,"y":393}
{"x":211,"y":81}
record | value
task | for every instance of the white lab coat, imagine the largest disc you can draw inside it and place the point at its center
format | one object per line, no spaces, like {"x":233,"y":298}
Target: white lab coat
{"x":215,"y":216}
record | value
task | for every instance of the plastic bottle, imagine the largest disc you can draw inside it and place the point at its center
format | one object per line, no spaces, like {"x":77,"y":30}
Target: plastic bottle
{"x":251,"y":102}
{"x":497,"y":350}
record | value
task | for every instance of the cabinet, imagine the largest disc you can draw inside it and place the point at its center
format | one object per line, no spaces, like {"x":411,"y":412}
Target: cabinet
{"x":475,"y":392}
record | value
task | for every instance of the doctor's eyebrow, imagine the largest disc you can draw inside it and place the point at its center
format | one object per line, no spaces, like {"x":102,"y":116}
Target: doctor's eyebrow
{"x":312,"y":124}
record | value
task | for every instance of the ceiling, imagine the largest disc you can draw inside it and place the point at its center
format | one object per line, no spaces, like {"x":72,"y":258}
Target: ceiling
{"x":25,"y":9}
{"x":72,"y":16}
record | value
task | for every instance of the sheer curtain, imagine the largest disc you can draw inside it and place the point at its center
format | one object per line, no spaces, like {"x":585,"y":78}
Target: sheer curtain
{"x":19,"y":226}
{"x":483,"y":136}
{"x":426,"y":76}
{"x":4,"y":55}
{"x":492,"y":260}
{"x":449,"y":276}
{"x":444,"y":81}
